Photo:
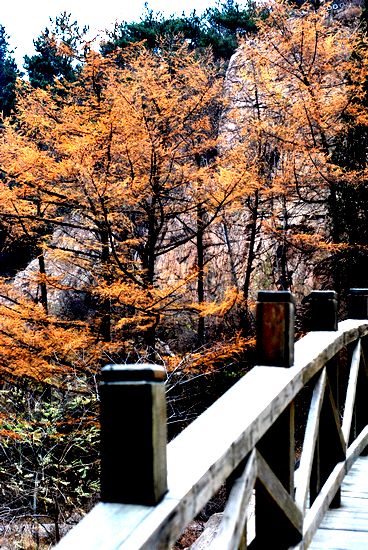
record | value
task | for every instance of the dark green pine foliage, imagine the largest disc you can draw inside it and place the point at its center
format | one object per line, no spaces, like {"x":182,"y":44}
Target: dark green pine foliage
{"x":217,"y":28}
{"x":225,"y":23}
{"x":8,"y":76}
{"x":56,"y":55}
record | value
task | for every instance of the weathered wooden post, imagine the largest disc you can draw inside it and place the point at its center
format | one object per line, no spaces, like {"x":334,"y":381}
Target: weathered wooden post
{"x":323,"y":310}
{"x":358,"y":303}
{"x":328,"y":451}
{"x":133,"y":434}
{"x":275,"y":328}
{"x":275,"y":347}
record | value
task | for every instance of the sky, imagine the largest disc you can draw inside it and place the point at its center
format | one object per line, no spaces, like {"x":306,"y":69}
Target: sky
{"x":25,"y":19}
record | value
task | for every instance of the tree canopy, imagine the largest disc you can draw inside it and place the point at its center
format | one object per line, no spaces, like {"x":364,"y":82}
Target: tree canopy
{"x":217,"y":28}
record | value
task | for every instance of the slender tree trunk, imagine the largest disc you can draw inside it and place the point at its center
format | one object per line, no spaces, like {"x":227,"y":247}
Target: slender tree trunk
{"x":42,"y":271}
{"x":285,"y":282}
{"x":234,"y":277}
{"x":200,"y":267}
{"x":254,"y":208}
{"x":150,"y":334}
{"x":105,"y":304}
{"x":42,"y":285}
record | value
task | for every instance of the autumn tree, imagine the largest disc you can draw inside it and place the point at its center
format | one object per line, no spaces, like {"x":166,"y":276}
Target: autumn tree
{"x":293,"y":87}
{"x":116,"y":168}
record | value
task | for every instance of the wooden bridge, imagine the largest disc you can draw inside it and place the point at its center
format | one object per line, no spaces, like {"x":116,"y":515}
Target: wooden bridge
{"x":312,"y":494}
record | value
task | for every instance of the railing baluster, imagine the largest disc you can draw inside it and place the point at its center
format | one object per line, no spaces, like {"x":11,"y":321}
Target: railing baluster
{"x":358,"y":309}
{"x":310,"y":440}
{"x":351,"y":393}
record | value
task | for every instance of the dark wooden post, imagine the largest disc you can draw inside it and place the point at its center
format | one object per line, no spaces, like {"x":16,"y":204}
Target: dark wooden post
{"x":358,"y":303}
{"x":133,"y":434}
{"x":275,"y":328}
{"x":323,"y":310}
{"x":323,"y":317}
{"x":275,"y":347}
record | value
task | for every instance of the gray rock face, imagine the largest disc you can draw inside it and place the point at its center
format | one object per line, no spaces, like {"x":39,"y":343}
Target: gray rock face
{"x":69,"y":282}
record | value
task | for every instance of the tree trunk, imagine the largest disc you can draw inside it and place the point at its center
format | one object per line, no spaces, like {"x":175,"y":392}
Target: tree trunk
{"x":42,"y":284}
{"x":200,"y":276}
{"x":105,"y":304}
{"x":254,"y":209}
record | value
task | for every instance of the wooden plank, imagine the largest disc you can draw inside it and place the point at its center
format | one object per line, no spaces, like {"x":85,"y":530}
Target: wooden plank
{"x":278,"y":493}
{"x":234,"y":518}
{"x":351,"y":518}
{"x":315,"y":349}
{"x":316,"y":513}
{"x":309,"y":444}
{"x":209,"y":534}
{"x":339,"y":540}
{"x":356,"y":448}
{"x":350,"y":392}
{"x":345,"y":519}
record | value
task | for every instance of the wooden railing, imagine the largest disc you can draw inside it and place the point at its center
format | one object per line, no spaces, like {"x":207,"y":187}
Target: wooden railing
{"x":247,"y":435}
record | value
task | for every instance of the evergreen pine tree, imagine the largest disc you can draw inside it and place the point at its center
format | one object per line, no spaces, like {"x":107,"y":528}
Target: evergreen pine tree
{"x":8,"y":75}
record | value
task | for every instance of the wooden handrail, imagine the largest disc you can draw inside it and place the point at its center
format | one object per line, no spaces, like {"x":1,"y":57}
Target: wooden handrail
{"x":231,"y":433}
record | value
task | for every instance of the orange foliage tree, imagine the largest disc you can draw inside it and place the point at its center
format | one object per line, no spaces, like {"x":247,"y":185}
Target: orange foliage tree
{"x":295,"y":88}
{"x":110,"y":179}
{"x":106,"y":176}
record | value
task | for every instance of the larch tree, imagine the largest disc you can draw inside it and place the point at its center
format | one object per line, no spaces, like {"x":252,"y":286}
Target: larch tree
{"x":105,"y":176}
{"x":293,"y":86}
{"x":112,"y":163}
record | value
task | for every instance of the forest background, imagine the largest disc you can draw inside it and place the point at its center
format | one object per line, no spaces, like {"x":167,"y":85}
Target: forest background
{"x":148,"y":190}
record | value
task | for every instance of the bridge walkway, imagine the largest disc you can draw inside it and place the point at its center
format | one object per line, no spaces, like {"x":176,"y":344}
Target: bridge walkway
{"x":346,"y":528}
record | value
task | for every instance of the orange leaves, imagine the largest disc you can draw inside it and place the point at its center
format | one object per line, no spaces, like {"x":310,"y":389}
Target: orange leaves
{"x":38,"y":347}
{"x":208,"y":360}
{"x":231,"y":299}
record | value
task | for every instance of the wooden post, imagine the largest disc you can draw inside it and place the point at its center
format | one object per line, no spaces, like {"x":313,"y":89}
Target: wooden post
{"x":323,"y":317}
{"x":275,"y":328}
{"x":275,"y":347}
{"x":323,"y":310}
{"x":358,"y":303}
{"x":133,"y":434}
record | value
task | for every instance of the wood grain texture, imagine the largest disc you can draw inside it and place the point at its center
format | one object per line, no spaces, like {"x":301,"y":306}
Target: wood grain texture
{"x":347,"y":527}
{"x":233,"y":525}
{"x":309,"y":444}
{"x":208,"y":537}
{"x":351,"y":391}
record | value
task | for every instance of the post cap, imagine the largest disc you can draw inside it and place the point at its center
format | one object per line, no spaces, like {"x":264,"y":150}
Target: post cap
{"x":358,"y":291}
{"x":275,"y":296}
{"x":141,"y":372}
{"x":322,"y":295}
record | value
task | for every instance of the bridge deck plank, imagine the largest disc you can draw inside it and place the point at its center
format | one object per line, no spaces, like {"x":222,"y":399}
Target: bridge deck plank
{"x":346,"y":528}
